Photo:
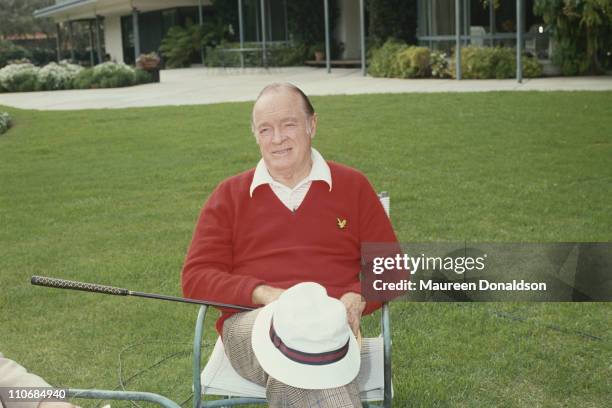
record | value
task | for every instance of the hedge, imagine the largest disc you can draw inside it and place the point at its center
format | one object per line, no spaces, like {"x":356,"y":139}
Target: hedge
{"x":25,"y":77}
{"x":396,"y":59}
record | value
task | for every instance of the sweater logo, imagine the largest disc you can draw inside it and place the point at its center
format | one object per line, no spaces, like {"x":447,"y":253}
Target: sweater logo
{"x":341,"y":223}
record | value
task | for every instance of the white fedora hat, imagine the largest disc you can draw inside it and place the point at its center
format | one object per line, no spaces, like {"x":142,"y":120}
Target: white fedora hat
{"x":303,"y":339}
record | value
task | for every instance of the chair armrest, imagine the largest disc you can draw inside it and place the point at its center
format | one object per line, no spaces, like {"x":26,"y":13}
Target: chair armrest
{"x":197,"y":351}
{"x":122,"y":395}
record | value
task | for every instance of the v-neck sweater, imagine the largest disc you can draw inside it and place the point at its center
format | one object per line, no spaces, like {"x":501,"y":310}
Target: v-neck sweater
{"x":241,"y":242}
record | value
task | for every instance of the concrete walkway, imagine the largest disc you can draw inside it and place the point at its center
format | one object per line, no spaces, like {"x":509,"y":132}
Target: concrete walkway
{"x":192,"y":86}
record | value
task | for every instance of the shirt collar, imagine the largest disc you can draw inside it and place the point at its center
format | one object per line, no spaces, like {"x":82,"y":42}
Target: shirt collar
{"x":319,"y":171}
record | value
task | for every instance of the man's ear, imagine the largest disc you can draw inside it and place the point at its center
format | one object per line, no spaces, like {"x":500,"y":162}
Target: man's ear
{"x":313,"y":125}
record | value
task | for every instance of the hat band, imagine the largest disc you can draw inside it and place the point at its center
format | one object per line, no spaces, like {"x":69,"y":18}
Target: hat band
{"x":327,"y":357}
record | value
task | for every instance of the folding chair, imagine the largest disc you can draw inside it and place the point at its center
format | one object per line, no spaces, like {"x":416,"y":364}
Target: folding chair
{"x":219,"y":378}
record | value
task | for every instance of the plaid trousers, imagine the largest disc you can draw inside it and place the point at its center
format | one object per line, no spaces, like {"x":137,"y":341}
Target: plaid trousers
{"x":237,"y":342}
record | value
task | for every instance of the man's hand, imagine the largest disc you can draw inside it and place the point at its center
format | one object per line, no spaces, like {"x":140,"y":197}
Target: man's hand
{"x":264,"y":294}
{"x":354,"y":303}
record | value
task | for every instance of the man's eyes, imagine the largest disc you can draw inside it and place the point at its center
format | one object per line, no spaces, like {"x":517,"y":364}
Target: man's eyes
{"x":268,"y":130}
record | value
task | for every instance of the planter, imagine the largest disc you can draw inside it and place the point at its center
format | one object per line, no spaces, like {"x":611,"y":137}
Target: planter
{"x":148,"y":65}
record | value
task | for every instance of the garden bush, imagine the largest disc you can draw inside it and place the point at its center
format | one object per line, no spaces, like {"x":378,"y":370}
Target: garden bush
{"x":383,"y":60}
{"x":439,"y":65}
{"x":5,"y":122}
{"x":19,"y":78}
{"x":110,"y":75}
{"x":179,"y":45}
{"x":10,"y":52}
{"x":55,"y":76}
{"x":113,"y":75}
{"x":494,"y":63}
{"x":413,"y":62}
{"x":84,"y":79}
{"x":278,"y":55}
{"x":41,"y":56}
{"x":398,"y":60}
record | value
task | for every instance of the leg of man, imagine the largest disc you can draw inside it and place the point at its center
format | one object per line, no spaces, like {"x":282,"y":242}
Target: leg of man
{"x":237,"y":342}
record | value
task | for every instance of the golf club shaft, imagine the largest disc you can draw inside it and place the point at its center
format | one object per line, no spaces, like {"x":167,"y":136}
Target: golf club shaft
{"x":111,"y":290}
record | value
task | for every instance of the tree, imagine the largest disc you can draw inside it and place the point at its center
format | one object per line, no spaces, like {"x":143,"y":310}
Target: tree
{"x":582,"y":30}
{"x":16,"y":17}
{"x":392,"y":19}
{"x":306,"y":20}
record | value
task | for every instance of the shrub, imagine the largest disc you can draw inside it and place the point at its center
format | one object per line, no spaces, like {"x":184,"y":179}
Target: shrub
{"x":142,"y":76}
{"x":398,"y":60}
{"x":19,"y":78}
{"x":84,"y":79}
{"x":531,"y":67}
{"x":383,"y":60}
{"x":10,"y":52}
{"x":413,"y":62}
{"x":58,"y":76}
{"x":5,"y":122}
{"x":27,"y":77}
{"x":180,"y":44}
{"x":42,"y":56}
{"x":113,"y":75}
{"x":494,"y":62}
{"x":439,"y":65}
{"x":287,"y":56}
{"x":110,"y":75}
{"x":278,"y":55}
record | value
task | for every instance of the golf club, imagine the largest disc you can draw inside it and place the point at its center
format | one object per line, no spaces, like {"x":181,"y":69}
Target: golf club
{"x":111,"y":290}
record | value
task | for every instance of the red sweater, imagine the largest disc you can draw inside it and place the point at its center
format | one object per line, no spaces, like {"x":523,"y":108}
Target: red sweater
{"x":241,"y":242}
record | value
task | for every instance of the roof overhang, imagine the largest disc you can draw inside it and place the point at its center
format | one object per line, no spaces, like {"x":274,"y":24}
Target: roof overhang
{"x":63,"y":8}
{"x":83,"y":9}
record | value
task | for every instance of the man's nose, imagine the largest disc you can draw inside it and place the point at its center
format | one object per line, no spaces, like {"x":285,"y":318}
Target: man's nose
{"x":278,"y":136}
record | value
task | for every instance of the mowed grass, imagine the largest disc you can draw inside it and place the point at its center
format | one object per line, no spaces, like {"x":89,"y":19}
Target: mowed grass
{"x":112,"y":196}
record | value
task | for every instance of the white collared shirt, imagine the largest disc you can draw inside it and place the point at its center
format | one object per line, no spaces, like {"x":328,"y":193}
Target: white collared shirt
{"x":292,"y":198}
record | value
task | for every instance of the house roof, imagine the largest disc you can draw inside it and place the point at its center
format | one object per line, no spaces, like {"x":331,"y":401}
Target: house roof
{"x":61,"y":7}
{"x":84,"y":9}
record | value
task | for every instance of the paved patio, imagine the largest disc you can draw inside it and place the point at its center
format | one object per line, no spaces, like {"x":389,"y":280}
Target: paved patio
{"x":193,"y":86}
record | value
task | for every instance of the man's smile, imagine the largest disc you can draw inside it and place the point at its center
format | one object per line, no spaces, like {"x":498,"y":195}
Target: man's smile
{"x":281,"y":152}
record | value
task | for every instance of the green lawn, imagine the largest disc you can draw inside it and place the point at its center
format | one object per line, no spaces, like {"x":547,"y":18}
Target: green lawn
{"x":112,"y":196}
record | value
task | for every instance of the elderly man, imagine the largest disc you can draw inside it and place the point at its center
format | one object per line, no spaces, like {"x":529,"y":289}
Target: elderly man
{"x":294,"y":218}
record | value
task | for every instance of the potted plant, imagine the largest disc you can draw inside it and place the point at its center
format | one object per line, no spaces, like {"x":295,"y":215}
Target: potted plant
{"x":149,"y":62}
{"x":319,"y":52}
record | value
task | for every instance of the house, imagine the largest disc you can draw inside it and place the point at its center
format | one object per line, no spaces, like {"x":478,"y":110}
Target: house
{"x":116,"y":20}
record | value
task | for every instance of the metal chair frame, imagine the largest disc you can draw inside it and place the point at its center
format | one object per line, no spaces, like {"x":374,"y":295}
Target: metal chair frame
{"x":226,"y":402}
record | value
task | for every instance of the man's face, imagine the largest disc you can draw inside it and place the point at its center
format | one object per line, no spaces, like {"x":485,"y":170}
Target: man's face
{"x":283,"y":131}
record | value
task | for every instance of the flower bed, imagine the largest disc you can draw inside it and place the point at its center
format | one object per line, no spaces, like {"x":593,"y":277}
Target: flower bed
{"x":25,"y":77}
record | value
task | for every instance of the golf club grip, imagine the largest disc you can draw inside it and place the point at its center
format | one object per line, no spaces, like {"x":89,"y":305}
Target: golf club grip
{"x":68,"y":284}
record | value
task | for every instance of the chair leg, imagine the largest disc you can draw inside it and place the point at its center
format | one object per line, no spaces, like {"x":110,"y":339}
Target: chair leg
{"x":386,"y":332}
{"x":197,"y":347}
